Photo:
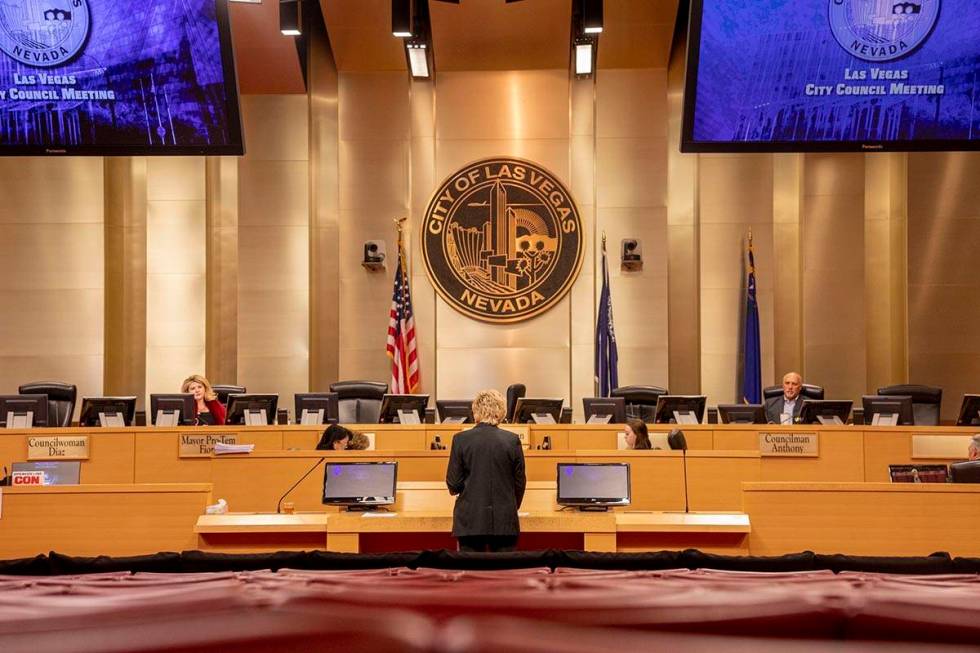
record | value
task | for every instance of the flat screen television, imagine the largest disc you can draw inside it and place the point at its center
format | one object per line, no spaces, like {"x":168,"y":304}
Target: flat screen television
{"x":15,"y":409}
{"x":360,"y":484}
{"x":105,"y":77}
{"x":832,"y":75}
{"x":593,"y":485}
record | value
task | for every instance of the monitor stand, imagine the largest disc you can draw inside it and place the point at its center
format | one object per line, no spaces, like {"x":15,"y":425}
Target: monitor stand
{"x":366,"y":508}
{"x":829,"y":421}
{"x":20,"y":420}
{"x":884,"y":419}
{"x":543,"y":418}
{"x":599,"y":419}
{"x":685,"y":417}
{"x":113,"y":420}
{"x":408,"y":417}
{"x":593,"y":508}
{"x":454,"y":420}
{"x":256,"y":417}
{"x":312,"y":417}
{"x":167,"y":418}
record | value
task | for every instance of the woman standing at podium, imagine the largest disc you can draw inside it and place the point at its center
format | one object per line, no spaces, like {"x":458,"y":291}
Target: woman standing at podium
{"x":208,"y":411}
{"x":486,"y":470}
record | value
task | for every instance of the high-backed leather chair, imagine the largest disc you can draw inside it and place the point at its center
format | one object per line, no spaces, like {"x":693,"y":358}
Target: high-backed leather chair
{"x":224,"y":390}
{"x":927,"y":401}
{"x":808,"y":391}
{"x":359,"y":402}
{"x":967,"y":471}
{"x":61,"y":400}
{"x":641,"y":400}
{"x":515,"y":391}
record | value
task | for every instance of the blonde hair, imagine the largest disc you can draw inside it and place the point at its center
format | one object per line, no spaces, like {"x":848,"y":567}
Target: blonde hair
{"x":209,"y":394}
{"x":359,"y":441}
{"x":489,"y":407}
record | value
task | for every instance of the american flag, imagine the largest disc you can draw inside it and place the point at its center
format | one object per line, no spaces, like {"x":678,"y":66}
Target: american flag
{"x":401,"y":334}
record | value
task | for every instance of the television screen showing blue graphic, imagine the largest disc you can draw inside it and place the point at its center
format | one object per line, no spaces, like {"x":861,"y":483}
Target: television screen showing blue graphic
{"x":117,"y":77}
{"x":784,"y":75}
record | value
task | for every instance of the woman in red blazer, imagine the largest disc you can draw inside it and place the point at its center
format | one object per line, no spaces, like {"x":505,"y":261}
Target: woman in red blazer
{"x":208,"y":411}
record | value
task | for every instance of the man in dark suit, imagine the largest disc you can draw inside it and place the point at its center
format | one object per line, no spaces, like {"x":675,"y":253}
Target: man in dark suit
{"x":786,"y":407}
{"x":486,"y":470}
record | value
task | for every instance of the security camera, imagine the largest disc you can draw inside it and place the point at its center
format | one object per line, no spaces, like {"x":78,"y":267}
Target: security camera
{"x":632,"y":255}
{"x":374,"y":255}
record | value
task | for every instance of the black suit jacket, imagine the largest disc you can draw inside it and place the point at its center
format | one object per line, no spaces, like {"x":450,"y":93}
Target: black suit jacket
{"x":774,"y":408}
{"x":486,"y":470}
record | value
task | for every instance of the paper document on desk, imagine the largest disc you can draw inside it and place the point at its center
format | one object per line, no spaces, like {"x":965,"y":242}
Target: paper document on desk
{"x":221,"y":448}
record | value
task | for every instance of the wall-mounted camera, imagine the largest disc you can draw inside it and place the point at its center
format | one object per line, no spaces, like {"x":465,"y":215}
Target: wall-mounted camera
{"x":632,"y":255}
{"x":374,"y":255}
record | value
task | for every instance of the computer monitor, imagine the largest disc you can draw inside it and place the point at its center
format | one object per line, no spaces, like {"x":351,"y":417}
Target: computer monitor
{"x":23,"y":411}
{"x":173,"y":409}
{"x":825,"y":411}
{"x":251,"y":409}
{"x":360,"y":485}
{"x":593,"y":485}
{"x":454,"y":411}
{"x":742,"y":413}
{"x":317,"y":408}
{"x":392,"y":405}
{"x":526,"y":409}
{"x":887,"y":410}
{"x":107,"y":411}
{"x":917,"y":473}
{"x":56,"y":472}
{"x":965,"y":472}
{"x":604,"y":410}
{"x":680,"y":409}
{"x":969,"y":411}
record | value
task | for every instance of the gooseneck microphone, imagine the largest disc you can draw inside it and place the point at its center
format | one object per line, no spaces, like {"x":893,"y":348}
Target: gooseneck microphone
{"x":301,"y":478}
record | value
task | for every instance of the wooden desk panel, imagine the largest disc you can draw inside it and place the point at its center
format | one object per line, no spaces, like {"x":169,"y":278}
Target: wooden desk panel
{"x":157,"y":458}
{"x":657,"y":477}
{"x":111,"y":451}
{"x":88,"y":520}
{"x":885,"y":519}
{"x":884,"y":446}
{"x":714,"y":478}
{"x":841,"y":459}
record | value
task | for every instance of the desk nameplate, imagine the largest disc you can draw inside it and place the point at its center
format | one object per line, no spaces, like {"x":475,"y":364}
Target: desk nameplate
{"x":201,"y":445}
{"x":940,"y":447}
{"x":789,"y":445}
{"x":58,"y":447}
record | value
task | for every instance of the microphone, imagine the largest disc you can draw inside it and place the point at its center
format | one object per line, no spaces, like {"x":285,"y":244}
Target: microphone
{"x":676,"y":440}
{"x":301,"y":478}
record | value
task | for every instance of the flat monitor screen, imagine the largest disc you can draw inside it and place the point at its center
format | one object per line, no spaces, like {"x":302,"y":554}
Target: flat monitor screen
{"x":360,"y":483}
{"x":527,"y":408}
{"x":314,"y":402}
{"x":182,"y":403}
{"x":605,"y":409}
{"x":244,"y":408}
{"x":392,"y":404}
{"x":832,"y":75}
{"x":18,"y":406}
{"x":458,"y":411}
{"x":105,"y":77}
{"x":742,"y":413}
{"x":55,"y":472}
{"x":122,"y":408}
{"x":600,"y":484}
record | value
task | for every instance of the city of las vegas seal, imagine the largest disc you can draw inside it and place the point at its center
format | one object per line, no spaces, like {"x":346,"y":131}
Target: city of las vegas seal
{"x":502,"y":240}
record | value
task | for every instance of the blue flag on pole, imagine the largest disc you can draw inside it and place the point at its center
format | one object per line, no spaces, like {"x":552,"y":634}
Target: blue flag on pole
{"x":606,"y":356}
{"x":752,"y":369}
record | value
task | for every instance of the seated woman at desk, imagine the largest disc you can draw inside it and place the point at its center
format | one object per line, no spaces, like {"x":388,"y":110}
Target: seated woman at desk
{"x":636,"y":434}
{"x":208,"y":411}
{"x":335,"y":438}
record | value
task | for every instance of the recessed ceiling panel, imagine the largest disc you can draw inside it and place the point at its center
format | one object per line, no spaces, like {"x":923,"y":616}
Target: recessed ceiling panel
{"x":267,"y":61}
{"x":360,"y":35}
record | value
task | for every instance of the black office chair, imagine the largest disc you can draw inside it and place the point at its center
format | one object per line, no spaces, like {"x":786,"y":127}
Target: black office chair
{"x":515,"y":391}
{"x":61,"y":400}
{"x":965,"y":472}
{"x":359,"y":402}
{"x":641,"y":400}
{"x":224,"y":390}
{"x":808,"y":391}
{"x":927,"y":401}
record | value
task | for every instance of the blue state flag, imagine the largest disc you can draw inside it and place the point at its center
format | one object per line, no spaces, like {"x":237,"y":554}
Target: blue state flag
{"x":606,"y":356}
{"x":752,"y":349}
